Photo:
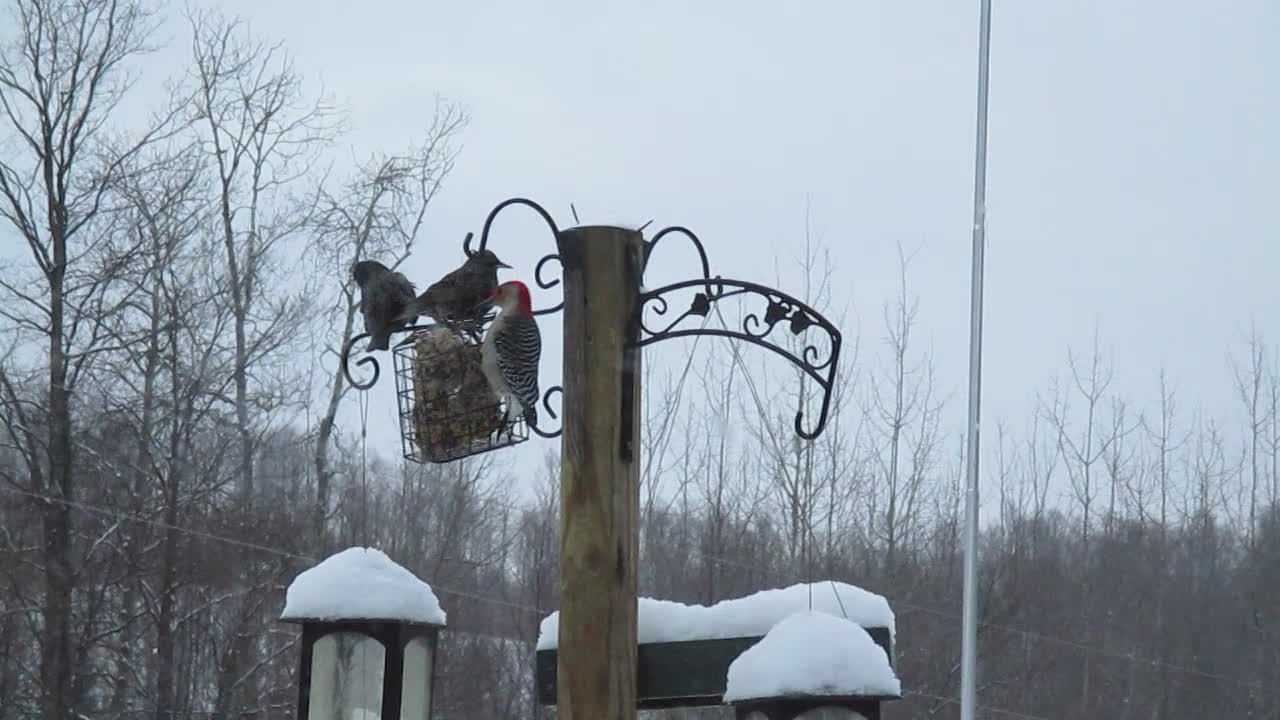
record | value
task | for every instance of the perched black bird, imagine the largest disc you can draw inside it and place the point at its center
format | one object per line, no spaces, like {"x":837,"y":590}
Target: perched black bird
{"x":463,"y":295}
{"x":385,"y":299}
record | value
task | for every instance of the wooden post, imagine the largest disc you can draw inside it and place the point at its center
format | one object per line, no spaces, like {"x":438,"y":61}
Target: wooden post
{"x":599,"y":475}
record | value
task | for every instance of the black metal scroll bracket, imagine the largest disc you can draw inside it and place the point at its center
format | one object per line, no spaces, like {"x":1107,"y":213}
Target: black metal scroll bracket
{"x":780,"y":309}
{"x":544,"y":283}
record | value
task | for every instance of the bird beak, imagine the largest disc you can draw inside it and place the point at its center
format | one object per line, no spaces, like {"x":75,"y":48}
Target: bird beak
{"x":503,"y":265}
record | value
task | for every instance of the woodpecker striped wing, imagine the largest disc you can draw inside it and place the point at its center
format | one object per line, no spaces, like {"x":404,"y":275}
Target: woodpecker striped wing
{"x":519,"y":347}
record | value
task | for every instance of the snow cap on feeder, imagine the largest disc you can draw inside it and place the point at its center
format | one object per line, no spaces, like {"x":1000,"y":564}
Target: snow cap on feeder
{"x":685,"y":650}
{"x":370,"y":629}
{"x":748,"y":616}
{"x":361,"y":584}
{"x":812,"y":665}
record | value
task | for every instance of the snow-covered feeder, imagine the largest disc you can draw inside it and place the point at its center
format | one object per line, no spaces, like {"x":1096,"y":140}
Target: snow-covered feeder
{"x":685,"y":650}
{"x":812,"y":666}
{"x":369,"y":634}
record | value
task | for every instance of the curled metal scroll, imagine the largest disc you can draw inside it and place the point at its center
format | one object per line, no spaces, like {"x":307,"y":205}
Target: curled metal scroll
{"x":697,"y":245}
{"x":366,"y":360}
{"x":545,"y":284}
{"x":537,"y":270}
{"x":477,"y":330}
{"x":780,"y":309}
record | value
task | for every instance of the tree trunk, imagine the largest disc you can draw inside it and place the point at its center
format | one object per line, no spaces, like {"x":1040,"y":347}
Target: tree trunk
{"x":55,"y":650}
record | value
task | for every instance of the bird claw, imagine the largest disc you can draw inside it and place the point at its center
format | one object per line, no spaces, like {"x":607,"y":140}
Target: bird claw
{"x":505,"y":425}
{"x":458,"y":328}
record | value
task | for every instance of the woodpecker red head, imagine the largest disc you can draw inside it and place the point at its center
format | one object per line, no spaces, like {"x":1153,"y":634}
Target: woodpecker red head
{"x":511,"y":349}
{"x":513,"y":297}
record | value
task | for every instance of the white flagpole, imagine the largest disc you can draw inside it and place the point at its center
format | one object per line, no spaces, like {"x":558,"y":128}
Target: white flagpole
{"x":969,"y":622}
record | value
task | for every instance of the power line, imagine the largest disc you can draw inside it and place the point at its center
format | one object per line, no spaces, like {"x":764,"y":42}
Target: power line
{"x":951,"y":615}
{"x":760,"y":407}
{"x":1032,"y":634}
{"x":1009,"y":628}
{"x":478,"y":597}
{"x":988,"y":708}
{"x":737,"y":360}
{"x":128,"y":517}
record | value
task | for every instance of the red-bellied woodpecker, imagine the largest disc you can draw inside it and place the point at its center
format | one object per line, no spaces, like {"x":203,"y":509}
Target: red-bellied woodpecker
{"x":510,"y":352}
{"x":463,"y":294}
{"x":385,"y":295}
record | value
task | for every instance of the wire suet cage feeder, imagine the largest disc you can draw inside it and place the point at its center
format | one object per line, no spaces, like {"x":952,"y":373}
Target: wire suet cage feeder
{"x":447,"y":409}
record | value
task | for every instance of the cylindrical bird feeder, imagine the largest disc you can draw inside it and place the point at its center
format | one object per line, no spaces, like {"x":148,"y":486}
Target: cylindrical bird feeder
{"x":447,"y":409}
{"x":370,"y":629}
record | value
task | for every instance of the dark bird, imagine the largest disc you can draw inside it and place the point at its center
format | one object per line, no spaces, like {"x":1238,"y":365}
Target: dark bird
{"x":385,"y":298}
{"x":463,"y":295}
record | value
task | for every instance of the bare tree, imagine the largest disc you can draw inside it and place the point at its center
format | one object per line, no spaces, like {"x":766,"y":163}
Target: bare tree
{"x":847,"y":470}
{"x":1250,"y":381}
{"x":1273,"y":434}
{"x":663,"y":405}
{"x":1119,"y":458}
{"x":1273,"y":411}
{"x":263,"y":135}
{"x":787,"y":461}
{"x":537,"y":564}
{"x":63,"y":73}
{"x":162,"y":205}
{"x":1027,"y":470}
{"x":903,"y":408}
{"x":1081,"y":451}
{"x":1163,"y":433}
{"x":379,"y":211}
{"x":721,"y":492}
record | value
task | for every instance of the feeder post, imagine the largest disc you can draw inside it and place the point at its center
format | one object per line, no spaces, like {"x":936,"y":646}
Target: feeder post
{"x":599,"y":474}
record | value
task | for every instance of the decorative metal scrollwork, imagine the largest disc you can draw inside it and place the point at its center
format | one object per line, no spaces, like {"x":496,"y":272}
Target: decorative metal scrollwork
{"x":477,"y":330}
{"x":537,"y":270}
{"x":780,"y":309}
{"x":650,"y":246}
{"x":367,"y":360}
{"x":545,"y":284}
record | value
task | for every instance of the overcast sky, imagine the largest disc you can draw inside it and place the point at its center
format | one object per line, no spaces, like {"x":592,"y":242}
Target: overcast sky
{"x":1134,"y":160}
{"x":1134,"y":164}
